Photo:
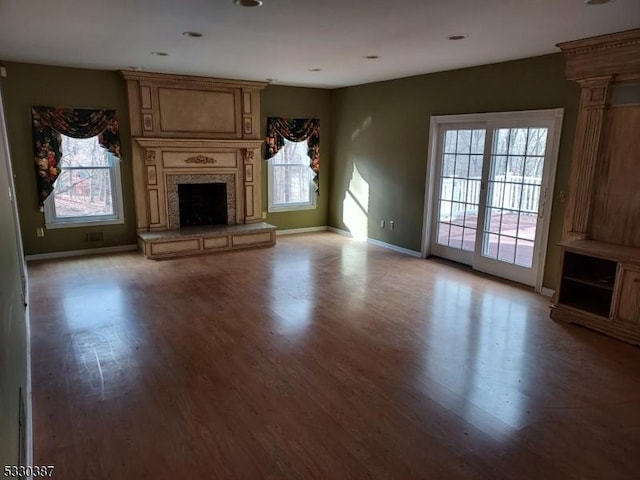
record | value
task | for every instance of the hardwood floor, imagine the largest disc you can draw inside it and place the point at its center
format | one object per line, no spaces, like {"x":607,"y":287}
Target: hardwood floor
{"x":320,"y":358}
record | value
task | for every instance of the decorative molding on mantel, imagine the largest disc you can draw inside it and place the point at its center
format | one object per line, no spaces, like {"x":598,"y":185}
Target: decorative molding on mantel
{"x":146,"y":142}
{"x":169,"y":79}
{"x":201,"y":159}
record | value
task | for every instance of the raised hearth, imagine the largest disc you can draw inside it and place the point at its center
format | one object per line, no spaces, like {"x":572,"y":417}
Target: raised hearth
{"x":199,"y":240}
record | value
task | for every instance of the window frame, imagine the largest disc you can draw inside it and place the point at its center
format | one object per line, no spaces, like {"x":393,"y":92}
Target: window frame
{"x":52,"y":221}
{"x":292,"y":206}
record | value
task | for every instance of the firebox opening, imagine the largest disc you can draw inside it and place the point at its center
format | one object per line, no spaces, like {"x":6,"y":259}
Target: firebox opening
{"x":202,"y":204}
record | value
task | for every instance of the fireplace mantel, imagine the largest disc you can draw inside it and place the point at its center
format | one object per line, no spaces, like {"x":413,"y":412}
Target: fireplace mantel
{"x":194,"y":130}
{"x":236,"y":162}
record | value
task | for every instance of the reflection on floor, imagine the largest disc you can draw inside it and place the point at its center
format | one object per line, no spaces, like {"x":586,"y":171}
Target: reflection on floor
{"x":319,"y":358}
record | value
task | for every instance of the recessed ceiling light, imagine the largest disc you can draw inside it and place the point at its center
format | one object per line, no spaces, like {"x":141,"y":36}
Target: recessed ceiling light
{"x":598,"y":2}
{"x":192,"y":34}
{"x":315,"y":69}
{"x":248,"y":3}
{"x":457,"y":36}
{"x":372,"y":57}
{"x":160,"y":54}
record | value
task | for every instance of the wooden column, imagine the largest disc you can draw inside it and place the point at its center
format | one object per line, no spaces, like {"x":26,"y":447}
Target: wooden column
{"x":589,"y":131}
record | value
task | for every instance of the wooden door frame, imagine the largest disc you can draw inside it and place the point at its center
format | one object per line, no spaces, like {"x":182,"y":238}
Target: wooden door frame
{"x":489,"y":119}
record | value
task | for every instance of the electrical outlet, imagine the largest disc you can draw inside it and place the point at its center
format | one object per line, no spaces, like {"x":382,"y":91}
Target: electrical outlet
{"x":381,"y":223}
{"x":3,"y":71}
{"x":264,"y":214}
{"x":391,"y":224}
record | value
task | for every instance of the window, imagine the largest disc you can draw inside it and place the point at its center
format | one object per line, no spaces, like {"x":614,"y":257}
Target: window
{"x":290,"y":176}
{"x":88,"y":189}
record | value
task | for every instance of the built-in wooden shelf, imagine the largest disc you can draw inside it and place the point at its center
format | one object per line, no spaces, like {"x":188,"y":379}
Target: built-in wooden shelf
{"x":600,"y":288}
{"x":592,"y":281}
{"x":599,"y":284}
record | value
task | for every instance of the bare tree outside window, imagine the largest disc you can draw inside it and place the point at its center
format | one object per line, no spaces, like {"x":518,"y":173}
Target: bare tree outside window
{"x":86,"y":188}
{"x":291,"y":177}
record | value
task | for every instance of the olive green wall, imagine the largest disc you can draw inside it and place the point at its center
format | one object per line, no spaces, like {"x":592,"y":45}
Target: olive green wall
{"x":13,"y":319}
{"x":381,"y":130}
{"x":377,"y":131}
{"x":294,"y":102}
{"x":27,"y":85}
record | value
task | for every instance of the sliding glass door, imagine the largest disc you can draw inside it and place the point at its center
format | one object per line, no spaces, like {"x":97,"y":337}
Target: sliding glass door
{"x":491,"y":186}
{"x":459,"y":183}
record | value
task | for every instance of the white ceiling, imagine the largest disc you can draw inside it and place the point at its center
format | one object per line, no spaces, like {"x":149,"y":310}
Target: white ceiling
{"x":283,"y":39}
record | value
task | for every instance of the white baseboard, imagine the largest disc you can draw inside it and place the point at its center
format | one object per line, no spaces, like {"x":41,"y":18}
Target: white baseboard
{"x":79,"y":253}
{"x":339,"y":231}
{"x":395,"y":248}
{"x":293,"y":231}
{"x":547,"y":292}
{"x":379,"y":243}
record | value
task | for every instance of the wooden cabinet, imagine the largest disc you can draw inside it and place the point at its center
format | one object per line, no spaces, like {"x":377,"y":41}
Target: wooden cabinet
{"x":600,"y":288}
{"x":599,"y":284}
{"x":627,"y":304}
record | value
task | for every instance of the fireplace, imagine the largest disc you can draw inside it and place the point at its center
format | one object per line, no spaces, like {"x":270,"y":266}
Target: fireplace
{"x":225,"y":206}
{"x":197,"y":149}
{"x":202,"y":204}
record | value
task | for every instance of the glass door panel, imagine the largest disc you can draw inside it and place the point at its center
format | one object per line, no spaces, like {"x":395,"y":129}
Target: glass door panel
{"x":491,"y":182}
{"x":513,"y":195}
{"x":459,"y":182}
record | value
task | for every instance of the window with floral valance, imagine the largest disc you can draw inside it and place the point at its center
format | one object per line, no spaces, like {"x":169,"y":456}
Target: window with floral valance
{"x":295,"y":130}
{"x":293,"y":155}
{"x":48,"y":125}
{"x":92,"y":142}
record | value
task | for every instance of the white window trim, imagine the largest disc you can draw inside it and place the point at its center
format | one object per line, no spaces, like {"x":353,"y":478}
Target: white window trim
{"x":495,"y":119}
{"x":53,"y":222}
{"x":273,"y":208}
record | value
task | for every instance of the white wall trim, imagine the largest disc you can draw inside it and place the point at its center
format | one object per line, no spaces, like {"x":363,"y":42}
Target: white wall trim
{"x":551,"y":118}
{"x":395,"y":248}
{"x":293,"y":231}
{"x":340,"y":231}
{"x":547,"y":292}
{"x":379,"y":243}
{"x":500,"y":117}
{"x":427,"y":212}
{"x":80,"y":253}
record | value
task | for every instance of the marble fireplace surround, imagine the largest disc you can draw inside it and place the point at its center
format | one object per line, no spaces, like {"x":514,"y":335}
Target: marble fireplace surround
{"x":173,"y":202}
{"x":168,"y":162}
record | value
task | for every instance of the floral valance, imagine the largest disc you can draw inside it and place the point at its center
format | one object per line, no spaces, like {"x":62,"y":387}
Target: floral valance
{"x":49,"y":123}
{"x":295,"y":130}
